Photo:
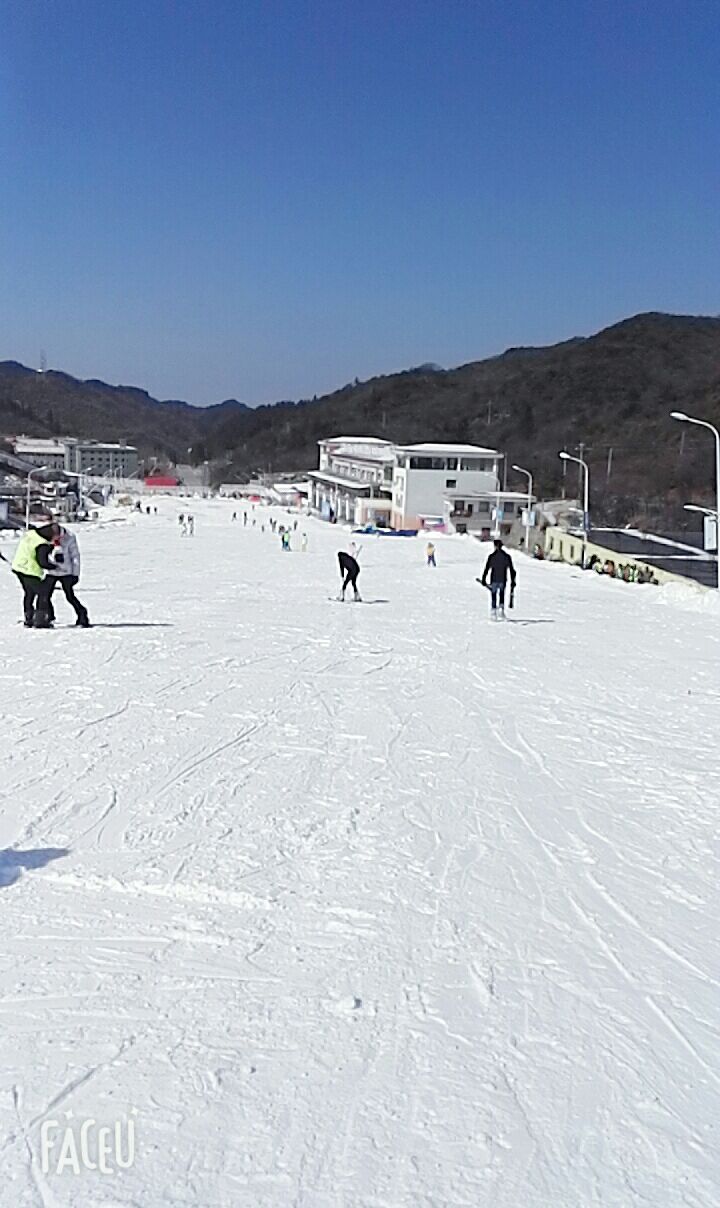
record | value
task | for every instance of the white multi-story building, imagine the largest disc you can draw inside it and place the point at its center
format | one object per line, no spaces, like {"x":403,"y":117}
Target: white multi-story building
{"x":36,"y":452}
{"x":101,"y":459}
{"x":424,"y":474}
{"x":78,"y":456}
{"x":364,"y":479}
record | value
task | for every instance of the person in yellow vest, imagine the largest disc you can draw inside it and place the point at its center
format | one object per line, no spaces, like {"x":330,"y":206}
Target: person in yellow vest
{"x":33,"y":557}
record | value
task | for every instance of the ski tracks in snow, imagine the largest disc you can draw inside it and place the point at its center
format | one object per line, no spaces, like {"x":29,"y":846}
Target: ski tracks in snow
{"x":362,"y":911}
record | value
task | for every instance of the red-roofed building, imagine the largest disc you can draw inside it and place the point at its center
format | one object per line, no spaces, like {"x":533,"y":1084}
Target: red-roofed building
{"x":162,"y":482}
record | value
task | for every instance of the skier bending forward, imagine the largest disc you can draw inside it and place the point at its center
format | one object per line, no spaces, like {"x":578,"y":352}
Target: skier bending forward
{"x":498,"y":566}
{"x":349,"y":570}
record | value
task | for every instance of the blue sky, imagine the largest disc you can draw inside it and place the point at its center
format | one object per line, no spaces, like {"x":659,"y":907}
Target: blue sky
{"x":266,"y":198}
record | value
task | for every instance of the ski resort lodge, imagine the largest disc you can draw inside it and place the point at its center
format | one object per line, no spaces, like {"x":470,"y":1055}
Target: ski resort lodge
{"x":367,"y":480}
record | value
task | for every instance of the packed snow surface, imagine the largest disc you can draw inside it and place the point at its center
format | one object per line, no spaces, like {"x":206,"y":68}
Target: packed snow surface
{"x":373,"y":905}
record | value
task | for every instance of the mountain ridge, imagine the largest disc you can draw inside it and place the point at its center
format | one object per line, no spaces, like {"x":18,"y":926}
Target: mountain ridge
{"x":612,"y":389}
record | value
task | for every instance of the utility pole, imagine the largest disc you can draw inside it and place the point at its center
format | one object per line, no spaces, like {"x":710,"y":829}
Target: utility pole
{"x":581,"y":456}
{"x":609,"y":463}
{"x":489,"y":418}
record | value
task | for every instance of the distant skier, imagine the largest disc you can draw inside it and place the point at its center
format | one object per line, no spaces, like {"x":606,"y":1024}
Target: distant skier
{"x":234,"y":516}
{"x":304,"y":543}
{"x":66,"y":572}
{"x":349,"y":570}
{"x":181,"y":520}
{"x":497,"y":568}
{"x":191,"y":526}
{"x":285,"y":539}
{"x":430,"y":551}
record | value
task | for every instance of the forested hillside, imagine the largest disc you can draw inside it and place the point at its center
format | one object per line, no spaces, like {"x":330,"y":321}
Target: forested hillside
{"x":611,"y":392}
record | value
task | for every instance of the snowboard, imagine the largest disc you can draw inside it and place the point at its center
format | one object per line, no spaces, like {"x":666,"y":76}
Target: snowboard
{"x":351,"y":600}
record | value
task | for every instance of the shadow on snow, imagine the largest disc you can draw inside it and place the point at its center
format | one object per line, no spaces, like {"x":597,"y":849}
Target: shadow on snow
{"x":133,"y":625}
{"x":13,"y":862}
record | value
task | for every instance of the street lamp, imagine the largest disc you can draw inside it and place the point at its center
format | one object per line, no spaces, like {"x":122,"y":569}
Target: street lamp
{"x":529,"y":503}
{"x":37,"y":470}
{"x":703,"y":423}
{"x":586,"y":499}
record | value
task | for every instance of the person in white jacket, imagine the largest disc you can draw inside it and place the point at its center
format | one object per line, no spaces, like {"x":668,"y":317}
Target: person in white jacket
{"x":66,"y":572}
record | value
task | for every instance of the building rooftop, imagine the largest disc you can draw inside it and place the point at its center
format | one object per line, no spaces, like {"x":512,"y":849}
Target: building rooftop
{"x":36,"y":444}
{"x":102,"y":444}
{"x":354,"y":484}
{"x":444,"y":449}
{"x":354,"y":440}
{"x":288,"y":488}
{"x":502,"y":496}
{"x":31,"y":444}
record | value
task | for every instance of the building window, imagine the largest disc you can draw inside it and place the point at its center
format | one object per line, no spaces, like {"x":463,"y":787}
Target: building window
{"x":450,"y":483}
{"x":475,"y":463}
{"x":429,"y":463}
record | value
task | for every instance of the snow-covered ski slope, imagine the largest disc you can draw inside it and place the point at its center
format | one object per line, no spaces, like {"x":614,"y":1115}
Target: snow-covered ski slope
{"x":357,"y":906}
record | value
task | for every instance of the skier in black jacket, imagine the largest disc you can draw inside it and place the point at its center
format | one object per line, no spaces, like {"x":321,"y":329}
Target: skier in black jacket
{"x":497,"y":568}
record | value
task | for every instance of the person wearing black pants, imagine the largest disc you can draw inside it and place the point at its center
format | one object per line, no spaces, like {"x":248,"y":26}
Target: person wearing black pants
{"x":350,"y":569}
{"x":33,"y":560}
{"x":68,"y":583}
{"x":31,"y":586}
{"x":67,"y":574}
{"x":497,"y":568}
